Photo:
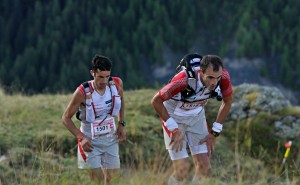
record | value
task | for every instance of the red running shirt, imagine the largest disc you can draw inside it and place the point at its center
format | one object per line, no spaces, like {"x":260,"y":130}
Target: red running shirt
{"x":179,"y":83}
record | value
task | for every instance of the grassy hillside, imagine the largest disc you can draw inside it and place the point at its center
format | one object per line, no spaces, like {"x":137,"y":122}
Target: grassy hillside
{"x":35,"y":148}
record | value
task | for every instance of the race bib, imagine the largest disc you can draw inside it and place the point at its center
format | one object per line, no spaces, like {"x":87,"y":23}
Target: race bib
{"x":99,"y":128}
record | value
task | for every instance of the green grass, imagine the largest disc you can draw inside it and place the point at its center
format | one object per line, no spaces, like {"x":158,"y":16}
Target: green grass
{"x":40,"y":150}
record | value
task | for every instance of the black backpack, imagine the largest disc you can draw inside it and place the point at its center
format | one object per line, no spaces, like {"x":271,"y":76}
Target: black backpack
{"x":187,"y":64}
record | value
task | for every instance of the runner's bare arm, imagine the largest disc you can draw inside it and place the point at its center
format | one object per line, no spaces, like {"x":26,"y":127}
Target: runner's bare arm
{"x":224,"y":109}
{"x":177,"y":85}
{"x":121,"y":130}
{"x":120,"y":90}
{"x":77,"y":99}
{"x":222,"y":114}
{"x":227,"y":92}
{"x":157,"y":103}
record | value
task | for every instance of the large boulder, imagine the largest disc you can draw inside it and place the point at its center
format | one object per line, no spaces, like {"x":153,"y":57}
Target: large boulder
{"x":251,"y":99}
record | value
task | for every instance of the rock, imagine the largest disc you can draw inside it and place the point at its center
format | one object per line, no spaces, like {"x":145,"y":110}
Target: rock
{"x":261,"y":98}
{"x":3,"y":158}
{"x":288,"y":128}
{"x":249,"y":99}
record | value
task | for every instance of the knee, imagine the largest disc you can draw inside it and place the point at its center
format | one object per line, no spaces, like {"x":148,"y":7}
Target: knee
{"x":203,"y":169}
{"x":96,"y":176}
{"x":108,"y":178}
{"x":181,"y":172}
{"x":112,"y":176}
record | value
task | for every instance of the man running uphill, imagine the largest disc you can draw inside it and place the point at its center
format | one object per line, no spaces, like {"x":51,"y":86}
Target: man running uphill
{"x":180,"y":105}
{"x":99,"y":101}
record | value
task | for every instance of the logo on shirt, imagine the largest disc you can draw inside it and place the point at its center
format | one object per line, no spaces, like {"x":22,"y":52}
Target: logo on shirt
{"x":108,"y":101}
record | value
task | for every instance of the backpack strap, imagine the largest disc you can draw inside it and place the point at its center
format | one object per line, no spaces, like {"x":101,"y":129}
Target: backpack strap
{"x":216,"y":93}
{"x":188,"y":91}
{"x":111,"y":81}
{"x":87,"y":85}
{"x":116,"y":100}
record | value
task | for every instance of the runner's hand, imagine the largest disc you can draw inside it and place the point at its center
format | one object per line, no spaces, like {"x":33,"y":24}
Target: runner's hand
{"x":86,"y":144}
{"x":210,"y":142}
{"x":121,"y":133}
{"x":177,"y":140}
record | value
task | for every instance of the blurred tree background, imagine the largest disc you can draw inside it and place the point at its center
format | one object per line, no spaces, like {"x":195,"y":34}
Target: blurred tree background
{"x":47,"y":46}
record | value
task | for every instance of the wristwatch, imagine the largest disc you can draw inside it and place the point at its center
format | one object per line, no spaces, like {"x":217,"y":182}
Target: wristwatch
{"x":123,"y":123}
{"x":214,"y":133}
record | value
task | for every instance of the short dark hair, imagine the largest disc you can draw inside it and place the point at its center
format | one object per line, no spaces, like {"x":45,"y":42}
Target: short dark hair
{"x":213,"y":60}
{"x":102,"y":63}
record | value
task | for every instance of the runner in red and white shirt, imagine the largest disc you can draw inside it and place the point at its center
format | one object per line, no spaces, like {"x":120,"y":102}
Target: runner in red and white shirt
{"x":100,"y":100}
{"x":183,"y":117}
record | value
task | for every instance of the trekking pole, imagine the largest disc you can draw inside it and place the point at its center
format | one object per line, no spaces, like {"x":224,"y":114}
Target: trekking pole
{"x":288,"y":146}
{"x":129,"y":141}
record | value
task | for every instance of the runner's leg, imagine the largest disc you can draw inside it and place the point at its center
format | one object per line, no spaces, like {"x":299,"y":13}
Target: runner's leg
{"x":202,"y":166}
{"x":96,"y":175}
{"x":111,"y":176}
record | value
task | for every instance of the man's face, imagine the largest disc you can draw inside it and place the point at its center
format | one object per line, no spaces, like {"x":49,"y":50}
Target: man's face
{"x":211,"y":78}
{"x":100,"y":78}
